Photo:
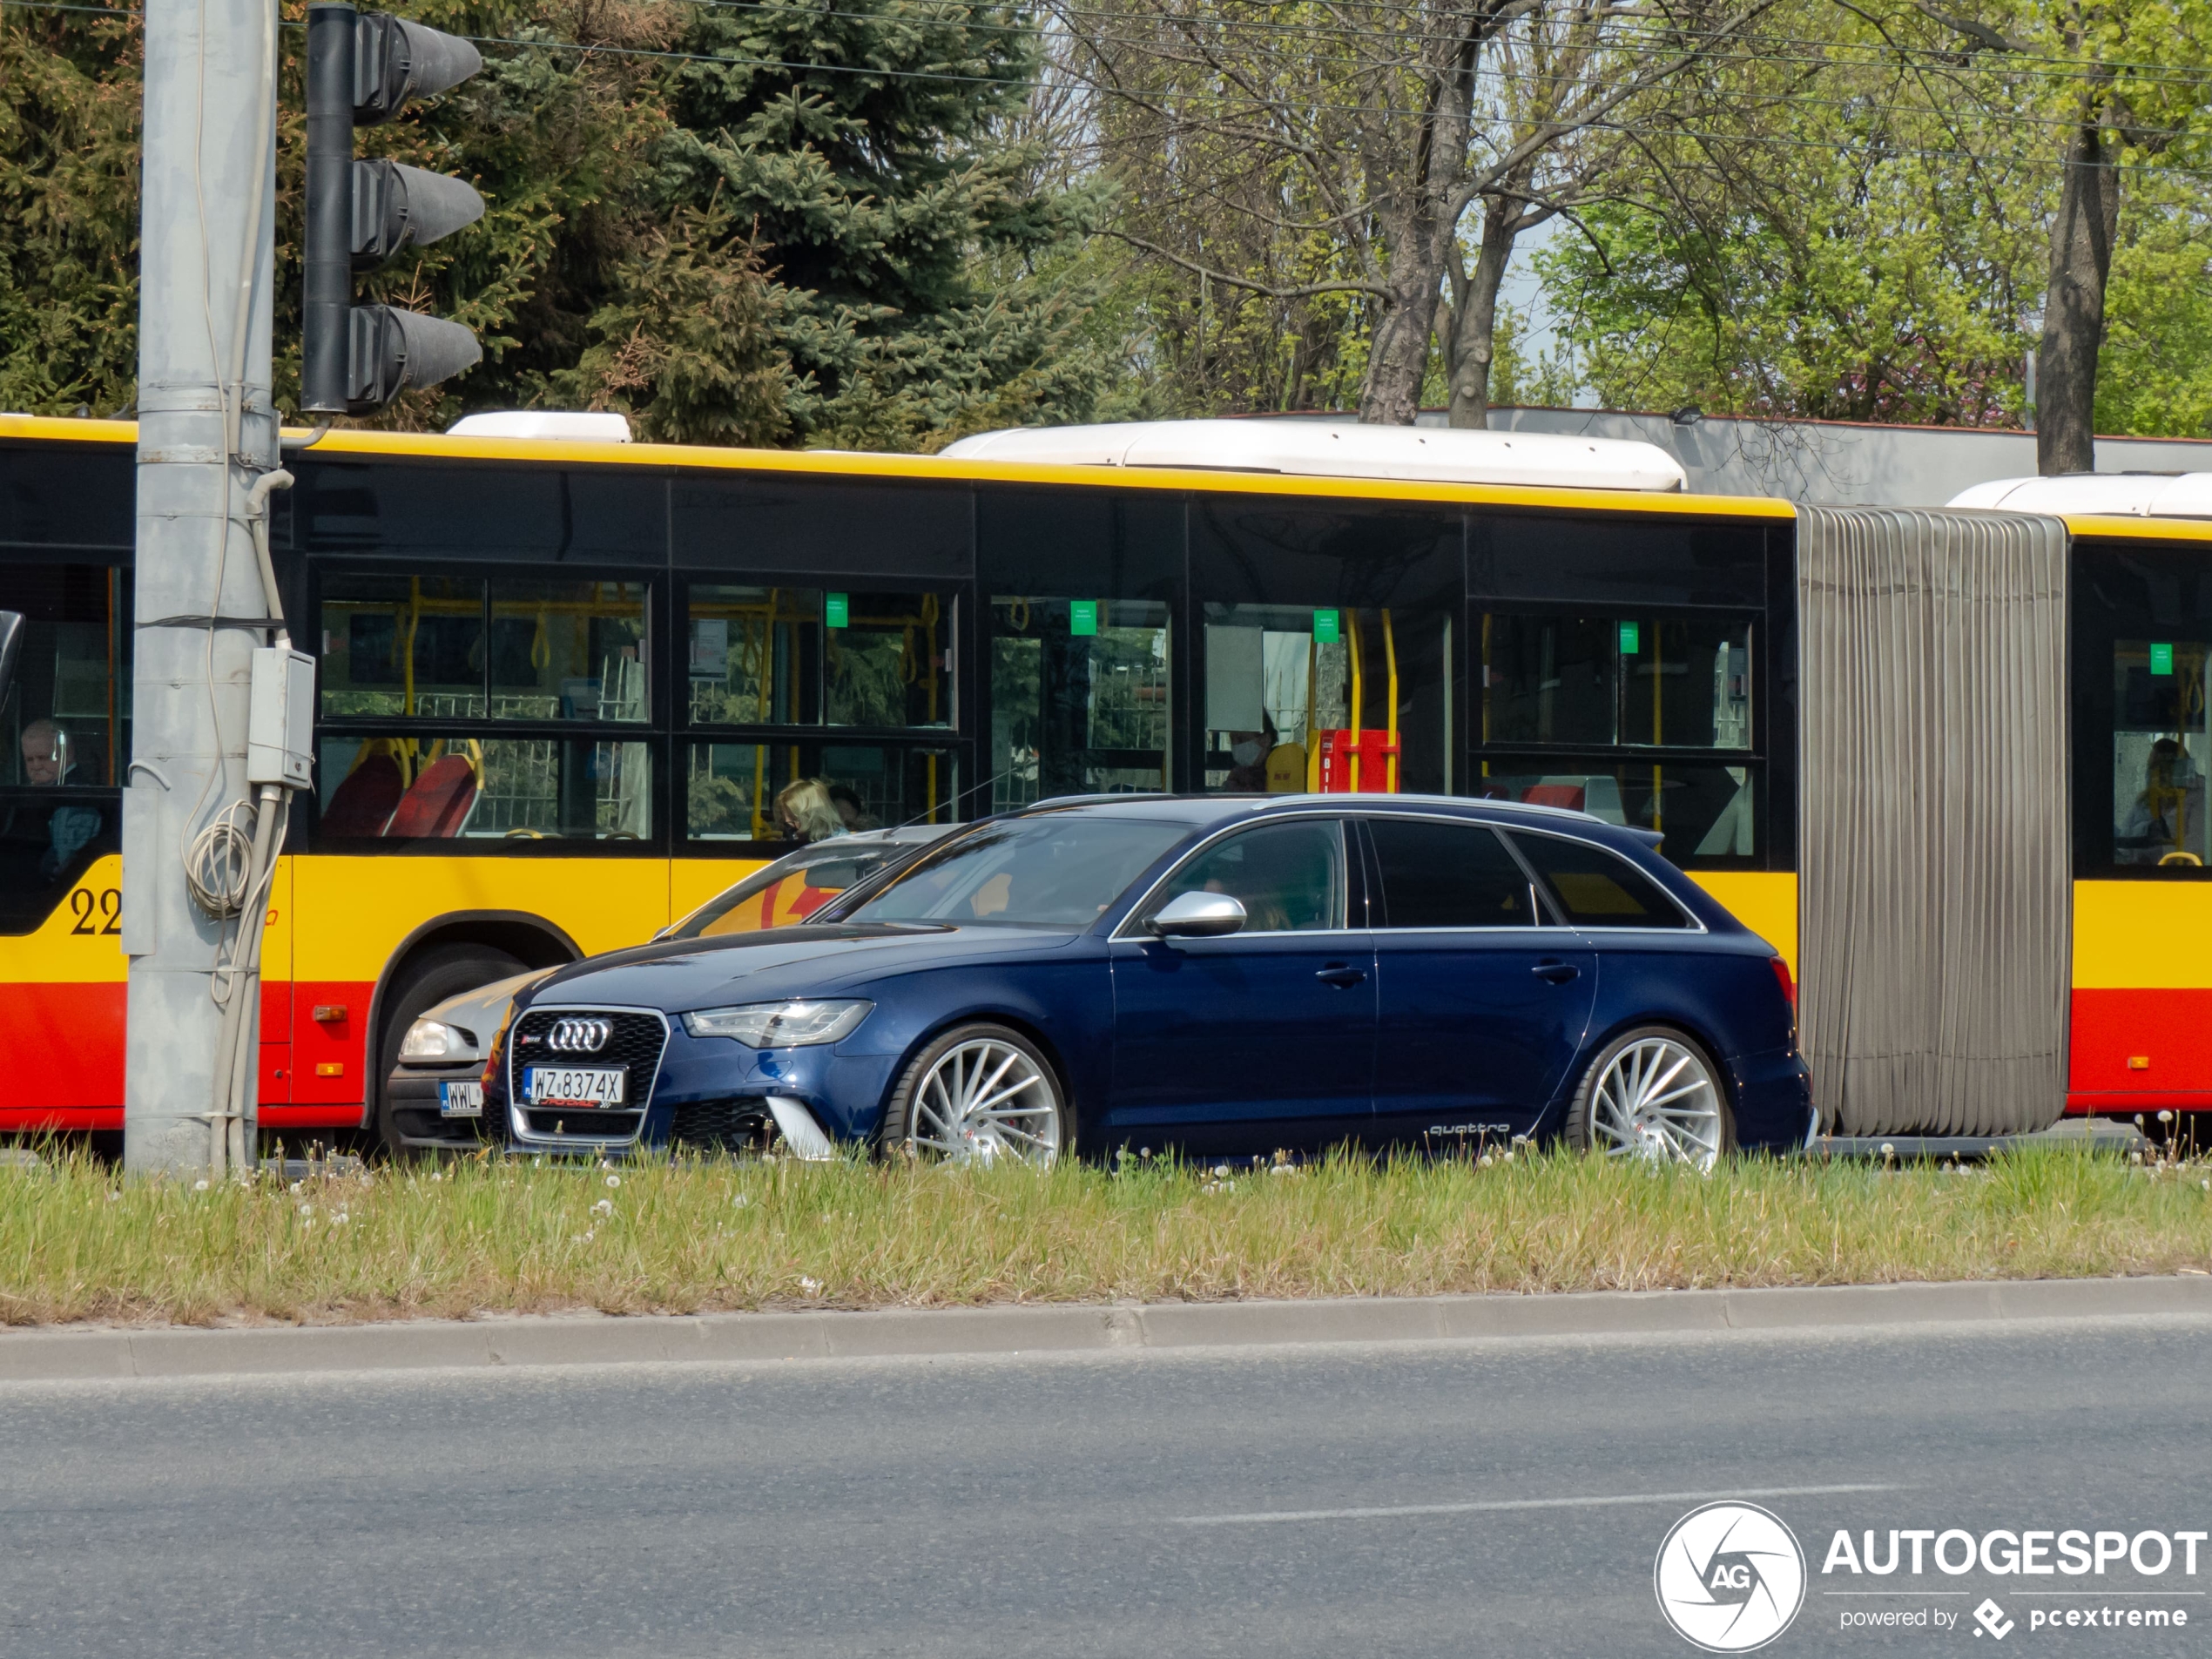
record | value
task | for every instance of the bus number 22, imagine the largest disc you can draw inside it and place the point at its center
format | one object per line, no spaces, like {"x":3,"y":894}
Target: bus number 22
{"x":108,"y":906}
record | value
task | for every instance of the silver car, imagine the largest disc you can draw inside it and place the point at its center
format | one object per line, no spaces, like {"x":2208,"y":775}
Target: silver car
{"x":434,"y":1095}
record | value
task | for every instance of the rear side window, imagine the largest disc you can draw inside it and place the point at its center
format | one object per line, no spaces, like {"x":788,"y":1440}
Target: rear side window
{"x":1595,"y":888}
{"x":1436,"y":874}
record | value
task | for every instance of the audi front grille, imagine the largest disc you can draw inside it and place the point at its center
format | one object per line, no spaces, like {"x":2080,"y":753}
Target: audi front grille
{"x":626,"y":1038}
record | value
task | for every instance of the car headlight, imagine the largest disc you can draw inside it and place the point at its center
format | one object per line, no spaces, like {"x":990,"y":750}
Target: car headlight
{"x":779,"y":1025}
{"x":435,"y":1040}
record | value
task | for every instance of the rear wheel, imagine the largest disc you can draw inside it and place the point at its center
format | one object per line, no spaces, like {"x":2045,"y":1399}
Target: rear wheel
{"x":1653,"y":1094}
{"x":446,"y":971}
{"x":980,"y":1094}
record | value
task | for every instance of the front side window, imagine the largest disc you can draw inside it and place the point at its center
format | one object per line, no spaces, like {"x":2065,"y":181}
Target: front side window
{"x":1440,"y":874}
{"x":1593,"y":887}
{"x":1045,"y":872}
{"x":67,"y":725}
{"x":1289,"y":877}
{"x":781,"y":895}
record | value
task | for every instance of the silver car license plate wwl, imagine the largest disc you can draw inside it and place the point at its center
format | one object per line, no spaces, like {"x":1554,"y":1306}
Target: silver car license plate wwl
{"x":575,"y":1085}
{"x":461,"y":1099}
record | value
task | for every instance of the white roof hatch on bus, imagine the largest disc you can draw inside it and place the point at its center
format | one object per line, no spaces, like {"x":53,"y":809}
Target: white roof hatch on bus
{"x":567,"y":426}
{"x":1425,"y":454}
{"x":2133,"y":494}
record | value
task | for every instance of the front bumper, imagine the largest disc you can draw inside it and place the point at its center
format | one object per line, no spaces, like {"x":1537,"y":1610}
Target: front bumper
{"x":413,"y":1091}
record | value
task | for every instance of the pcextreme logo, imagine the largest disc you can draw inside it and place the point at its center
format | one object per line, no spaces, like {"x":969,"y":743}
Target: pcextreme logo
{"x":1730,"y":1577}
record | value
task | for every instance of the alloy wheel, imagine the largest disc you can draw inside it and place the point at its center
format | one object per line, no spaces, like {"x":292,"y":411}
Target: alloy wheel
{"x":982,"y":1101}
{"x":1657,"y":1102}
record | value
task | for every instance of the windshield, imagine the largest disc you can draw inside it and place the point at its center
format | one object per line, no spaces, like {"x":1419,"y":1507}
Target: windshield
{"x":782,"y":894}
{"x":1056,"y":871}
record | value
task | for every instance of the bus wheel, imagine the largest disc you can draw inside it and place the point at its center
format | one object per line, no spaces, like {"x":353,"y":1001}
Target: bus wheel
{"x":447,"y":971}
{"x":1652,"y":1094}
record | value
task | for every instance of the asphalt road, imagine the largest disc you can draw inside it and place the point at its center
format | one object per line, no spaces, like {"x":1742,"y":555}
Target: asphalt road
{"x":1087,"y":1504}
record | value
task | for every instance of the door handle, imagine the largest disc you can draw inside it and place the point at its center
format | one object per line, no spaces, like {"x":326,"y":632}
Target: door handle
{"x":1343,"y":975}
{"x":1557,"y":973}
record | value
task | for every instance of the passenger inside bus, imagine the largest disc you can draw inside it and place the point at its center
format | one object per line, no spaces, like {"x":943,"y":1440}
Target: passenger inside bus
{"x":2166,"y":810}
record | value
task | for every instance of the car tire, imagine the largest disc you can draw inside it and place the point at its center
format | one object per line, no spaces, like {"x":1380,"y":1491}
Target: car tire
{"x":979,"y":1093}
{"x":447,"y":971}
{"x":1652,"y":1093}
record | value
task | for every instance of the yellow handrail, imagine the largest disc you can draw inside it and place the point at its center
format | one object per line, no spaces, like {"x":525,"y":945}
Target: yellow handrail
{"x":1390,"y":658}
{"x":1352,"y":638}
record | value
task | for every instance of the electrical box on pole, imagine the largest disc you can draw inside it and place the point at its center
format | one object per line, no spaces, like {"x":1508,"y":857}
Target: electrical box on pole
{"x":362,"y":68}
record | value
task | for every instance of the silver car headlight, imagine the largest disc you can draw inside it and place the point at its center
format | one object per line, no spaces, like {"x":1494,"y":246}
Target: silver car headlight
{"x":435,"y":1040}
{"x":779,"y":1025}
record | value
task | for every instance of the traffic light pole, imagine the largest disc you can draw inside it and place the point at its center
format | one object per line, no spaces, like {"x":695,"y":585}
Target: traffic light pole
{"x":206,"y":434}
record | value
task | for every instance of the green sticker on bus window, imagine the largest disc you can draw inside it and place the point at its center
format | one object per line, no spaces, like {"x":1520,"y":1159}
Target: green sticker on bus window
{"x":1325,"y":627}
{"x":1631,"y":638}
{"x":2161,"y":657}
{"x":1083,"y":616}
{"x":836,"y":610}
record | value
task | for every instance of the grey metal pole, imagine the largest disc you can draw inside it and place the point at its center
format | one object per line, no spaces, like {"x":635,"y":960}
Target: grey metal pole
{"x":206,"y":430}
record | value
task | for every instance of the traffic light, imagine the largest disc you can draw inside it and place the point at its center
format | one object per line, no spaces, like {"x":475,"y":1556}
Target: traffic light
{"x":363,"y":66}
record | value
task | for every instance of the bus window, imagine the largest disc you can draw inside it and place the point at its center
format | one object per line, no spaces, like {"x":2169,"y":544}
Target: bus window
{"x":731,"y":788}
{"x":67,"y":721}
{"x":1708,"y":814}
{"x":2159,"y":749}
{"x":1278,"y":675}
{"x":1628,"y":681}
{"x":452,"y":787}
{"x":1079,"y":697}
{"x":567,"y":651}
{"x":406,"y":645}
{"x":888,"y":659}
{"x":755,"y":655}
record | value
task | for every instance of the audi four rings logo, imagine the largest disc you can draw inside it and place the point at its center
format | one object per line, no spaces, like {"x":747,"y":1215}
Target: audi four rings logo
{"x":580,"y":1036}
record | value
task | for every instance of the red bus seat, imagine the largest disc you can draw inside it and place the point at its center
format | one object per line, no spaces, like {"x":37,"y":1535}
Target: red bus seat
{"x":1567,"y":795}
{"x":365,"y":798}
{"x":440,"y":802}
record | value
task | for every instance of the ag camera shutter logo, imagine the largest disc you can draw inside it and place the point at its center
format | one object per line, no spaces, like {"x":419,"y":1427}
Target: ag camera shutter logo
{"x":1730,"y":1577}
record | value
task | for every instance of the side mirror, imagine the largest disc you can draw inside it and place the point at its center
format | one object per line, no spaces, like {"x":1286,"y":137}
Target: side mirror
{"x":1198,"y":915}
{"x":11,"y":645}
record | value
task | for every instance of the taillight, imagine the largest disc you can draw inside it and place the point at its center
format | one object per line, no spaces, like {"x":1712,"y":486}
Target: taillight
{"x":1789,"y":988}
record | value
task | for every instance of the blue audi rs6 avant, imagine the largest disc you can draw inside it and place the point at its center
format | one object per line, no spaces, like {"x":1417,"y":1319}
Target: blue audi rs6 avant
{"x":1222,"y":977}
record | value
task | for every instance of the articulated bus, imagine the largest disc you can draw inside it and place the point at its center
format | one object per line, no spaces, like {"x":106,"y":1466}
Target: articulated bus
{"x":561,"y":683}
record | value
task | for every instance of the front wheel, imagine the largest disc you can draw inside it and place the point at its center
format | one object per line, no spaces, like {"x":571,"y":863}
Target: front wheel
{"x":979,"y":1093}
{"x":1652,"y":1094}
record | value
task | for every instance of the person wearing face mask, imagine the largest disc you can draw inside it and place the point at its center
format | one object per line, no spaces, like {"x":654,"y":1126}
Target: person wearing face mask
{"x":49,"y":760}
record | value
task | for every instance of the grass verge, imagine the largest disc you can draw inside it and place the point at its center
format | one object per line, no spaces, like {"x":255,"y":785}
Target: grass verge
{"x":76,"y":1241}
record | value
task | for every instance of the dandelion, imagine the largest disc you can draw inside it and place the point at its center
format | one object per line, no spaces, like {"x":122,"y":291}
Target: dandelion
{"x":296,"y":1186}
{"x":307,"y":1210}
{"x":741,"y":1200}
{"x":200,"y":1186}
{"x":340,"y":1219}
{"x":614,"y":1180}
{"x":812,"y":1286}
{"x":604,"y":1207}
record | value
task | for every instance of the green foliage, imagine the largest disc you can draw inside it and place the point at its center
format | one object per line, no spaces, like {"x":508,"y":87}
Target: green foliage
{"x":728,"y":250}
{"x":69,"y":167}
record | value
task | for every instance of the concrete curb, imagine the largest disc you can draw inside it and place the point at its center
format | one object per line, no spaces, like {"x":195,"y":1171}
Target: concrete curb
{"x":82,"y":1353}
